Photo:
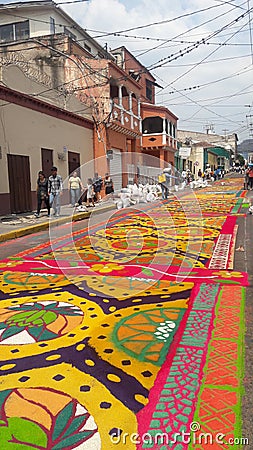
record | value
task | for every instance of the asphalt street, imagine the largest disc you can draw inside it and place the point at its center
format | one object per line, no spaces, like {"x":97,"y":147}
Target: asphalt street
{"x":243,"y":262}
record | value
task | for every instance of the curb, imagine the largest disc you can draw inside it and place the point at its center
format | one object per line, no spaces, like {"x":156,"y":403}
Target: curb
{"x":45,"y":225}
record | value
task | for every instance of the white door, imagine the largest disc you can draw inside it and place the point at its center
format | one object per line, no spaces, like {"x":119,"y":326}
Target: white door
{"x":116,"y":170}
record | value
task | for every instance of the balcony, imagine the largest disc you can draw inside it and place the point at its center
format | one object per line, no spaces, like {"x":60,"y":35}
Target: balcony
{"x":158,"y":132}
{"x":125,"y":111}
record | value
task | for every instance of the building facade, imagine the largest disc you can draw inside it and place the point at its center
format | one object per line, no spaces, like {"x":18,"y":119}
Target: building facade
{"x":158,"y":139}
{"x":212,"y":149}
{"x":109,"y":97}
{"x":43,"y":122}
{"x":35,"y":136}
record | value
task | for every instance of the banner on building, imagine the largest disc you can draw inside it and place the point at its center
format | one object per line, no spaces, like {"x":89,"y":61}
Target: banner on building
{"x":185,"y":152}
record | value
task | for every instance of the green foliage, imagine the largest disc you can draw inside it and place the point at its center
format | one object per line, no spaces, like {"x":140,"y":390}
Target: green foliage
{"x":66,"y":432}
{"x":241,"y":159}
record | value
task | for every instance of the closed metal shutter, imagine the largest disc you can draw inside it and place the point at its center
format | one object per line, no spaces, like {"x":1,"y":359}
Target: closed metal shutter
{"x":116,"y":169}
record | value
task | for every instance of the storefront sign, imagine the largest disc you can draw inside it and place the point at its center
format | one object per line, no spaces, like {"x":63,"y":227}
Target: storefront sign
{"x":184,"y":152}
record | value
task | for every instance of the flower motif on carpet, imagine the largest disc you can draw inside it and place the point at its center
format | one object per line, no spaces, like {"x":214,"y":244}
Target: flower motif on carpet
{"x":44,"y":419}
{"x":35,"y":322}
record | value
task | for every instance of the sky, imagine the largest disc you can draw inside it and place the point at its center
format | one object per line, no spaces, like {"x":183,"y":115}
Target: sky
{"x":199,"y":51}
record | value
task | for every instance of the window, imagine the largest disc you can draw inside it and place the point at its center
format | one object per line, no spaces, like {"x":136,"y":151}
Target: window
{"x":70,"y":34}
{"x":135,"y":75}
{"x":152,"y":125}
{"x":87,"y":47}
{"x":14,"y":31}
{"x":149,"y":90}
{"x":22,"y":30}
{"x":6,"y":33}
{"x":52,"y":25}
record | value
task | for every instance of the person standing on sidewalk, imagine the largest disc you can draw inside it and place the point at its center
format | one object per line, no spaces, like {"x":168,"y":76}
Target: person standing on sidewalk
{"x":42,"y":193}
{"x":97,"y":186}
{"x":250,"y":177}
{"x":90,"y":193}
{"x":55,"y":191}
{"x":75,"y":187}
{"x":108,"y":184}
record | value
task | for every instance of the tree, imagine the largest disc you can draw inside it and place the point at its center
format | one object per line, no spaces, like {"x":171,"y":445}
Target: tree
{"x":241,"y":160}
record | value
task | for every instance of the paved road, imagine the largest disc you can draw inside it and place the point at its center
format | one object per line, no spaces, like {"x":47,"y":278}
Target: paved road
{"x":244,"y":262}
{"x":14,"y":246}
{"x":137,"y":377}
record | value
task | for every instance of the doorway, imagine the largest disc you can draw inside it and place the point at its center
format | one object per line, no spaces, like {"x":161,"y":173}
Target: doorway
{"x":74,"y":162}
{"x":46,"y":161}
{"x":116,"y":169}
{"x":19,"y":183}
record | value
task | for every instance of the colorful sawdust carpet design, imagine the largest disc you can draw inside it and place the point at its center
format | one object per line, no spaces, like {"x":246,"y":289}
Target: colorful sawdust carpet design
{"x":126,"y":335}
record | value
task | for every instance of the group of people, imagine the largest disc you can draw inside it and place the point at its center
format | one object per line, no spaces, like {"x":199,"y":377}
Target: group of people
{"x":171,"y":179}
{"x":249,"y":177}
{"x":92,"y":192}
{"x":49,"y":190}
{"x":210,"y":174}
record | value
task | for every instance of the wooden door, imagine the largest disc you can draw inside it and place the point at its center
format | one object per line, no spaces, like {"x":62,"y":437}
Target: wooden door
{"x":46,"y":161}
{"x":74,"y":162}
{"x":19,"y":183}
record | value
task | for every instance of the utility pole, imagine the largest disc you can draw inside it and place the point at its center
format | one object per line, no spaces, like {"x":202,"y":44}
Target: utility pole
{"x":225,"y":134}
{"x":250,"y":126}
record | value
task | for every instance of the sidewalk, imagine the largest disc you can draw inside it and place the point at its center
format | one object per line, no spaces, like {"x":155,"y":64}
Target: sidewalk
{"x":16,"y":225}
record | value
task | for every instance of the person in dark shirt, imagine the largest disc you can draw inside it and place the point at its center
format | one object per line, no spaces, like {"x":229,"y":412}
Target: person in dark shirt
{"x":42,"y":193}
{"x":97,"y":186}
{"x":108,"y":184}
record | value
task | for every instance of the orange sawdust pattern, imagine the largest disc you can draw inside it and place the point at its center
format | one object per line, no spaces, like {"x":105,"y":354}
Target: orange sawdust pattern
{"x":218,"y":409}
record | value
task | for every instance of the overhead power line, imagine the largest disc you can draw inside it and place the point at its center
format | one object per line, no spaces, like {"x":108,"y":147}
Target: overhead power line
{"x":250,"y":33}
{"x":186,"y":50}
{"x":8,"y":12}
{"x":188,"y":71}
{"x":186,"y":32}
{"x":139,"y":27}
{"x":70,"y":2}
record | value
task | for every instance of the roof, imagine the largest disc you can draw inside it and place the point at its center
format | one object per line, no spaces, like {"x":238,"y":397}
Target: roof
{"x":159,"y":108}
{"x":24,"y":4}
{"x":123,"y":48}
{"x":220,"y":151}
{"x":27,"y":101}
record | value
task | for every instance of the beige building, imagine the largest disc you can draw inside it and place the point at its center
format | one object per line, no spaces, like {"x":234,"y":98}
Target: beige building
{"x":65,"y":100}
{"x":41,"y":119}
{"x":35,"y":135}
{"x":204,"y":149}
{"x":229,"y":141}
{"x":20,"y":21}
